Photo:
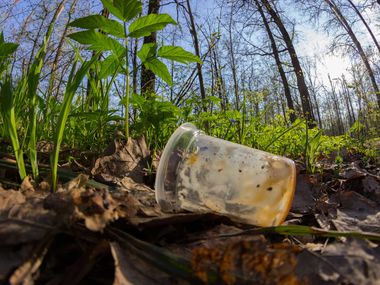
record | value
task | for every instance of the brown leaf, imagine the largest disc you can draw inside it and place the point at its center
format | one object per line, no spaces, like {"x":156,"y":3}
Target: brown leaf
{"x":28,"y":185}
{"x":249,"y":261}
{"x":8,"y":199}
{"x":357,"y":260}
{"x":355,"y":213}
{"x":76,"y":272}
{"x":371,"y":187}
{"x":23,"y":219}
{"x":130,"y":269}
{"x":354,"y":171}
{"x":11,"y":257}
{"x":303,"y":201}
{"x":122,"y":160}
{"x":97,"y":207}
{"x":26,"y":273}
{"x":314,"y":269}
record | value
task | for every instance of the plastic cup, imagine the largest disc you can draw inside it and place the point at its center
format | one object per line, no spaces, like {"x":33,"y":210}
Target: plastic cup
{"x":200,"y":173}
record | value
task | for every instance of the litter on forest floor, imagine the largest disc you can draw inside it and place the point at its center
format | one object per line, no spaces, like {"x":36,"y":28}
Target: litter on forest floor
{"x":118,"y":235}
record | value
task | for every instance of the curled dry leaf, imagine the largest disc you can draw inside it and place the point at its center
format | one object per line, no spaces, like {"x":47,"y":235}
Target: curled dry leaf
{"x":23,"y":218}
{"x":97,"y":207}
{"x":122,"y":160}
{"x":28,"y":185}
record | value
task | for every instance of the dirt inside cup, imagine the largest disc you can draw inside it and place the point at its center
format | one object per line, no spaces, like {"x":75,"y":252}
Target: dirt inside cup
{"x":200,"y":173}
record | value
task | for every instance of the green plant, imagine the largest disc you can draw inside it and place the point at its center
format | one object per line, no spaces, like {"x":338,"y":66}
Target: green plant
{"x":156,"y":119}
{"x":26,"y":94}
{"x":103,"y":35}
{"x":74,"y":80}
{"x":7,"y":104}
{"x":312,"y":148}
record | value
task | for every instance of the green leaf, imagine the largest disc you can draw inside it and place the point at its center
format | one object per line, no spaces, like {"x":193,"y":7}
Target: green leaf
{"x":100,"y":22}
{"x":160,"y":69}
{"x":112,"y":9}
{"x":7,"y":111}
{"x":108,"y":66}
{"x":145,"y":25}
{"x":128,"y":8}
{"x":124,"y":10}
{"x":73,"y":83}
{"x":7,"y":48}
{"x":98,"y":41}
{"x":147,"y":51}
{"x":178,"y":54}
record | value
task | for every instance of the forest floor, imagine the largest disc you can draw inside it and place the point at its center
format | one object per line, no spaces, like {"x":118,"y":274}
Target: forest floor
{"x":110,"y":230}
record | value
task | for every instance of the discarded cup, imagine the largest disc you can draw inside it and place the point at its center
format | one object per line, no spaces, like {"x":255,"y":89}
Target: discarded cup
{"x":200,"y":173}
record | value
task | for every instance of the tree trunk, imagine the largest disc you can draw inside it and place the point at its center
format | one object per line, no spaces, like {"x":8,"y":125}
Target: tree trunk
{"x":336,"y":107}
{"x":233,"y":63}
{"x":342,"y":20}
{"x":134,"y":47}
{"x":365,"y":24}
{"x":194,"y":35}
{"x":58,"y":54}
{"x":348,"y":99}
{"x":148,"y":79}
{"x":276,"y":55}
{"x":301,"y":84}
{"x":38,"y":36}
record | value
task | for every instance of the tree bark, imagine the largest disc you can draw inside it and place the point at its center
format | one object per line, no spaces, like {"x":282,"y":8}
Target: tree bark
{"x":301,"y":84}
{"x":281,"y":71}
{"x":148,"y":79}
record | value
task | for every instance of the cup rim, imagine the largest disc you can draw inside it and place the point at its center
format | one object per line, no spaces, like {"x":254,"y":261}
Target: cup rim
{"x":159,"y":184}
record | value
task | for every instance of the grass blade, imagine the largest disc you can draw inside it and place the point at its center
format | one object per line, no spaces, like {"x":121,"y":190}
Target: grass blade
{"x":9,"y":117}
{"x":33,"y":81}
{"x":72,"y":86}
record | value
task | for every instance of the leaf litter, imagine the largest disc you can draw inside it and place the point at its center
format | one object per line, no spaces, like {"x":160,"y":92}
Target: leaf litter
{"x":114,"y":233}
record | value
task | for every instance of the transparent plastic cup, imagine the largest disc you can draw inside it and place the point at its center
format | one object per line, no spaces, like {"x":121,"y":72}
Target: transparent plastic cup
{"x":200,"y":173}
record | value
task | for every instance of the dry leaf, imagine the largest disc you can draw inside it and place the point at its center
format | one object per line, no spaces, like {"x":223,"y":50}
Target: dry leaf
{"x":249,"y":261}
{"x":122,"y":160}
{"x":132,"y":270}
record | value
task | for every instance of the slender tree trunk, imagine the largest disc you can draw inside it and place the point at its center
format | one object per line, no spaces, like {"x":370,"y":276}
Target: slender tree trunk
{"x":365,"y":24}
{"x":336,"y":107}
{"x":301,"y":84}
{"x":134,"y":65}
{"x":148,"y":79}
{"x":342,"y":20}
{"x":58,"y":53}
{"x":233,"y":63}
{"x":194,"y":35}
{"x":349,"y":101}
{"x":38,"y":36}
{"x":276,"y":55}
{"x":218,"y":79}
